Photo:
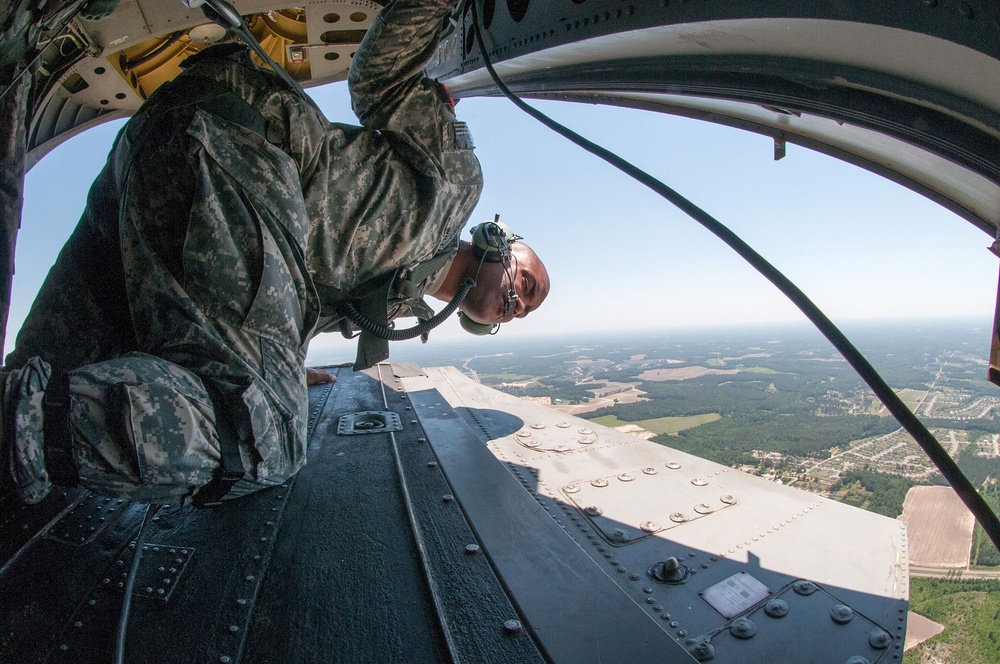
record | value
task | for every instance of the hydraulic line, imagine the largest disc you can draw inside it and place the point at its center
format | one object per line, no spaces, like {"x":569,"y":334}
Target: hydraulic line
{"x":160,"y":48}
{"x":937,"y":454}
{"x":225,"y":15}
{"x":140,"y":540}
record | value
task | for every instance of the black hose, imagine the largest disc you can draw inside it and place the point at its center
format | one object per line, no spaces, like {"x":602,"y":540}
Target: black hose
{"x":224,"y":14}
{"x":937,"y":454}
{"x":140,"y":539}
{"x":160,"y":48}
{"x":423,"y":327}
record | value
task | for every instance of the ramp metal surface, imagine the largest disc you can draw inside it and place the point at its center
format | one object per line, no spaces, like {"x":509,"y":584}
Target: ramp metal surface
{"x":724,"y":563}
{"x":364,"y":556}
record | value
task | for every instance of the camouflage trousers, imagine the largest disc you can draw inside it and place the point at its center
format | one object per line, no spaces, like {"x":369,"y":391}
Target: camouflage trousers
{"x":142,"y":428}
{"x":179,"y":304}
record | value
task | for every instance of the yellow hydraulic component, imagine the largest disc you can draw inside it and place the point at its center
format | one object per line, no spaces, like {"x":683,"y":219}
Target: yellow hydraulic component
{"x":149,"y":64}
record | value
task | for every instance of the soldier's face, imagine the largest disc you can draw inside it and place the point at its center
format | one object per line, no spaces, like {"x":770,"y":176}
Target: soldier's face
{"x":493,"y":299}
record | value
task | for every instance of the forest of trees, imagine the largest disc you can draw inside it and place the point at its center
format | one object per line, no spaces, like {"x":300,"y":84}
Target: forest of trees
{"x":772,"y":412}
{"x":882,"y":493}
{"x":731,"y":439}
{"x":970,"y":612}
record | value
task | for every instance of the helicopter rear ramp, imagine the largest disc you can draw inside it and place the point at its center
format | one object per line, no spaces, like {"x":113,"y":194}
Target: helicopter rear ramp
{"x":440,"y":520}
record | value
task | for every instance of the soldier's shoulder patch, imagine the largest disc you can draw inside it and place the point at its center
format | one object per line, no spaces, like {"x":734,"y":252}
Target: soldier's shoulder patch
{"x":462,"y":136}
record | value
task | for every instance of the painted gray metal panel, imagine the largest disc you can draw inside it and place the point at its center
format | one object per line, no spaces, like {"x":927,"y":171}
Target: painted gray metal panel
{"x":345,"y":583}
{"x":325,"y":569}
{"x":729,"y":523}
{"x":572,"y":606}
{"x":371,"y":562}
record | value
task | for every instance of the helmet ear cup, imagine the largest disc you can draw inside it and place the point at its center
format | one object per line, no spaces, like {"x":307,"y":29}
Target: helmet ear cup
{"x":491,"y":240}
{"x":474,"y":327}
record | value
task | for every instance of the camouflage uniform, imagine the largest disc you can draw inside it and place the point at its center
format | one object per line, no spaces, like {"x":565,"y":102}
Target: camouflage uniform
{"x":216,"y":243}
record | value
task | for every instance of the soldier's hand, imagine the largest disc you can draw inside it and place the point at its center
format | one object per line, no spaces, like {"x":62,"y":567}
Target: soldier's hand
{"x":317,"y":376}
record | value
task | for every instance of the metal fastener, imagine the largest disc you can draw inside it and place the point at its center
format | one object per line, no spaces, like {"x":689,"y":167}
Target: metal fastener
{"x":700,"y":648}
{"x":512,"y":627}
{"x":670,"y":570}
{"x":776,"y":608}
{"x":842,"y":614}
{"x":742,"y":628}
{"x":804,"y":587}
{"x":879,"y":638}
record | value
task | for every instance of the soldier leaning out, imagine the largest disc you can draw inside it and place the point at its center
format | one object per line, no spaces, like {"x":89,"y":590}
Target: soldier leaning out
{"x":163,"y":359}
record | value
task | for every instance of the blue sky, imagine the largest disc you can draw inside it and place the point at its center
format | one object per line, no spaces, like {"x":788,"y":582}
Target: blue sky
{"x":620,"y":257}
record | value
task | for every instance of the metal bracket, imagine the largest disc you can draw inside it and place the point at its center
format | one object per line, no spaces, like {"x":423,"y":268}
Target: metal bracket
{"x":368,"y":421}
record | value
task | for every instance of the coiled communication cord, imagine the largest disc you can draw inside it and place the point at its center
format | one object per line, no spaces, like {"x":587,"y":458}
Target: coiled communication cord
{"x":937,"y":454}
{"x":382,"y":332}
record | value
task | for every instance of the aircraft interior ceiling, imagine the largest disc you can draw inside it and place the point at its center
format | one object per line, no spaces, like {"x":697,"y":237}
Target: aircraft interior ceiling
{"x":910,"y":90}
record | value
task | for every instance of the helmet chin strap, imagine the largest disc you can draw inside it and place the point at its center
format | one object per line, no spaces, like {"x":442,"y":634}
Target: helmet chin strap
{"x":510,"y":301}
